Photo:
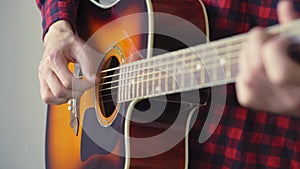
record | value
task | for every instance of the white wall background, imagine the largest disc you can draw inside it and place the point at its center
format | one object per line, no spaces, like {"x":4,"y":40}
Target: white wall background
{"x":22,"y":121}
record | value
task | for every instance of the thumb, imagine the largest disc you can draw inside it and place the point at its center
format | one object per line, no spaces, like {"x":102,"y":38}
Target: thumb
{"x":286,"y":12}
{"x":88,"y":59}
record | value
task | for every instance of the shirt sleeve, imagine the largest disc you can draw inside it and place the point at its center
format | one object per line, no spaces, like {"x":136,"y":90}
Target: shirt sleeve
{"x":54,"y":10}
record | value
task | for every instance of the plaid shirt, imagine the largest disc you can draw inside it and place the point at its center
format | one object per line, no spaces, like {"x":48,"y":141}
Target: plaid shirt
{"x":54,"y":10}
{"x":244,"y":138}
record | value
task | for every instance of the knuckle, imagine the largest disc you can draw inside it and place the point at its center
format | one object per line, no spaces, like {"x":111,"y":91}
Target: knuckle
{"x":270,"y":46}
{"x":42,"y":66}
{"x":256,"y":31}
{"x":278,"y":79}
{"x":249,"y":79}
{"x":244,"y":100}
{"x":60,"y":93}
{"x":244,"y":93}
{"x":47,"y":99}
{"x":51,"y":57}
{"x":67,"y":84}
{"x":293,"y":104}
{"x":40,"y":71}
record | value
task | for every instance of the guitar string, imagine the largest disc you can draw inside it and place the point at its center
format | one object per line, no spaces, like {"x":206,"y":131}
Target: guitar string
{"x":205,"y":62}
{"x":274,"y":30}
{"x":127,"y":86}
{"x":185,"y":59}
{"x":144,"y":69}
{"x":182,"y":59}
{"x":191,"y":57}
{"x":208,"y":55}
{"x":164,"y":77}
{"x":210,"y":65}
{"x":193,"y":67}
{"x":222,"y":67}
{"x":237,"y":39}
{"x":114,"y":93}
{"x":151,"y":94}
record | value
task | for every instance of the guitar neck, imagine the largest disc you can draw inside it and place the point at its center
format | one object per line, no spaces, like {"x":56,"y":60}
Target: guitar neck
{"x":207,"y":65}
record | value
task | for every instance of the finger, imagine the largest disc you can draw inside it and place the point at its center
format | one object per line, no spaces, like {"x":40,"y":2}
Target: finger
{"x":60,"y":67}
{"x":286,"y":12}
{"x":47,"y":95}
{"x":66,"y":77}
{"x":257,"y":37}
{"x":89,"y":60}
{"x":250,"y":63}
{"x":280,"y":68}
{"x":250,"y":78}
{"x":58,"y":90}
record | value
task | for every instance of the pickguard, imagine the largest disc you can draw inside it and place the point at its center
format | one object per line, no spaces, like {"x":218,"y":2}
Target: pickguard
{"x":97,"y":139}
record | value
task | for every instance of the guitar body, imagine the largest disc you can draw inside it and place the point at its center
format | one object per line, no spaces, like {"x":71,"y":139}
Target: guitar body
{"x":141,"y":133}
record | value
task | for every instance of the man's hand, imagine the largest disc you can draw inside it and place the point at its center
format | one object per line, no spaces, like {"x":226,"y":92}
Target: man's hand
{"x":268,"y":78}
{"x":62,"y":46}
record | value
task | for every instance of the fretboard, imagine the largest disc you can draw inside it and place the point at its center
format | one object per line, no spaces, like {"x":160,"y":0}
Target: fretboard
{"x":207,"y":65}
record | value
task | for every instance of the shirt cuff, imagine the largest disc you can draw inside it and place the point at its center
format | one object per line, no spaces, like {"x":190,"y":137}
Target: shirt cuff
{"x":56,"y":10}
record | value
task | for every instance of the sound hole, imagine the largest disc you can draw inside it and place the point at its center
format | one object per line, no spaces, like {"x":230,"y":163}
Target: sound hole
{"x":108,"y":88}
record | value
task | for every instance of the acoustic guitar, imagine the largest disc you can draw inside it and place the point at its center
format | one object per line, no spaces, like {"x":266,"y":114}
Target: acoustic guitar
{"x":143,"y":111}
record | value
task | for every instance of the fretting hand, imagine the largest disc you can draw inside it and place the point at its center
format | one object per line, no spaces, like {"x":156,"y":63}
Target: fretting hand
{"x":268,"y":78}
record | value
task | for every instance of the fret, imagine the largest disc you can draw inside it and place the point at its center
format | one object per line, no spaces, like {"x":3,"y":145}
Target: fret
{"x":228,"y":61}
{"x":164,"y":74}
{"x":181,"y":71}
{"x":158,"y":87}
{"x":121,"y":85}
{"x":142,"y":67}
{"x":216,"y":52}
{"x":131,"y":80}
{"x":190,"y":78}
{"x":152,"y":80}
{"x":165,"y":83}
{"x":130,"y":91}
{"x":186,"y":69}
{"x":173,"y":76}
{"x":234,"y":68}
{"x":134,"y":81}
{"x":201,"y":68}
{"x":191,"y":63}
{"x":146,"y":79}
{"x":126,"y":85}
{"x":191,"y":68}
{"x":222,"y":62}
{"x":196,"y":64}
{"x":137,"y":81}
{"x":214,"y":71}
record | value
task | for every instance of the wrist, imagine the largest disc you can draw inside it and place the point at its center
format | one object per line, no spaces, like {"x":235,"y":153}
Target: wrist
{"x":60,"y":26}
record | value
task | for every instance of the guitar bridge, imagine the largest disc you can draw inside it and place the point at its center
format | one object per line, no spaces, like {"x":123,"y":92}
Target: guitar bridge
{"x":74,"y":104}
{"x":74,"y":114}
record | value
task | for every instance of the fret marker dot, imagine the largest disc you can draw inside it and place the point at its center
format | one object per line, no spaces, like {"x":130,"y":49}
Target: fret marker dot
{"x":198,"y":67}
{"x":157,"y":89}
{"x":222,"y":61}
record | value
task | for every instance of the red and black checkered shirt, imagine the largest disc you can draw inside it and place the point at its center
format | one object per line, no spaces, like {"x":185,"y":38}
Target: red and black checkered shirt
{"x":244,"y":138}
